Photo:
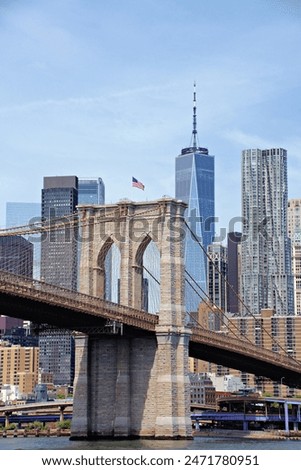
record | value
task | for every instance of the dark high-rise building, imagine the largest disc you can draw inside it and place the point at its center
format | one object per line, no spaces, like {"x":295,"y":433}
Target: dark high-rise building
{"x":59,"y":248}
{"x":234,"y":239}
{"x":217,"y":271}
{"x":195,"y":186}
{"x":16,"y":255}
{"x":59,"y":267}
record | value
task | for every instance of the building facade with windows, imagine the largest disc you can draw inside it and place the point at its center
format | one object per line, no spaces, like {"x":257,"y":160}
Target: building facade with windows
{"x":266,"y":276}
{"x":19,"y":366}
{"x":59,"y":266}
{"x":202,"y":390}
{"x":217,"y":273}
{"x":59,"y":247}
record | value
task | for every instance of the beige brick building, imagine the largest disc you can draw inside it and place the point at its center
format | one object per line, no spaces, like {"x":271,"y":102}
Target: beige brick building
{"x":19,"y":366}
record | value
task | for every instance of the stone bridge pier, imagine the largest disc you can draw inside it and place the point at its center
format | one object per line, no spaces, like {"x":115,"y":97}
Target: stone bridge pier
{"x":135,"y":384}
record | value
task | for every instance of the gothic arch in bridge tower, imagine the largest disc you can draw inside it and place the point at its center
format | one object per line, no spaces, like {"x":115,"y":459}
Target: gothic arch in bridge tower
{"x":107,"y":276}
{"x":100,"y":268}
{"x":146,"y":269}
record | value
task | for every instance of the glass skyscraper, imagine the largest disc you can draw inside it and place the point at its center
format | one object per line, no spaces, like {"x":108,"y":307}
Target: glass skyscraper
{"x":266,"y":276}
{"x":91,"y":191}
{"x":195,"y":186}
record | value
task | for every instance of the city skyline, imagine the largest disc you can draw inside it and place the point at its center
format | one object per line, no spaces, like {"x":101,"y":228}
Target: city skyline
{"x":107,"y":91}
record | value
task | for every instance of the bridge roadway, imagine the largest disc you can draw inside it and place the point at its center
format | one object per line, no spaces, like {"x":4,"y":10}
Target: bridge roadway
{"x":37,"y":406}
{"x":42,"y":303}
{"x":14,"y":413}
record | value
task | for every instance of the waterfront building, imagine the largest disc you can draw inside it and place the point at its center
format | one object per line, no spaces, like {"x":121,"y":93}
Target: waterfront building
{"x":266,"y":278}
{"x":194,"y":184}
{"x":19,"y":367}
{"x":294,"y":233}
{"x":202,"y":390}
{"x":91,"y":191}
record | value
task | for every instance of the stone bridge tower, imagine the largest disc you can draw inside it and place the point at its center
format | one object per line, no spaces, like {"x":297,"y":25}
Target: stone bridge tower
{"x":136,"y":384}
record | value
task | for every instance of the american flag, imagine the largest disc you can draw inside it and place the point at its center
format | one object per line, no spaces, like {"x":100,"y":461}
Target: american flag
{"x":137,"y":184}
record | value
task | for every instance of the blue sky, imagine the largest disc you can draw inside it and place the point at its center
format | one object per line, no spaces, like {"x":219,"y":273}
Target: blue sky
{"x":104,"y":88}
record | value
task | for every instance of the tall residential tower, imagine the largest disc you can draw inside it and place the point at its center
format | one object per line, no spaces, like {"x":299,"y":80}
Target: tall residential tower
{"x":266,"y":279}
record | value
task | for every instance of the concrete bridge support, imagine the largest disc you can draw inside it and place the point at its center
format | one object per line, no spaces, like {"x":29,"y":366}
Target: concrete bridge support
{"x":136,"y":386}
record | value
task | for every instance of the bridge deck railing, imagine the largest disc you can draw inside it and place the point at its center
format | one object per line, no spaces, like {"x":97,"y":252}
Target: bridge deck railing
{"x":44,"y":292}
{"x":49,"y":293}
{"x":235,"y":344}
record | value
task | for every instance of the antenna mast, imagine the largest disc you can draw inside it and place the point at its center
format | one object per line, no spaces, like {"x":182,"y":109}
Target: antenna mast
{"x":194,"y":148}
{"x":194,"y":129}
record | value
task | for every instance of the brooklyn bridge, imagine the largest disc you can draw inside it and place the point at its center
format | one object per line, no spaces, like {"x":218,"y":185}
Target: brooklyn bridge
{"x":132,"y":357}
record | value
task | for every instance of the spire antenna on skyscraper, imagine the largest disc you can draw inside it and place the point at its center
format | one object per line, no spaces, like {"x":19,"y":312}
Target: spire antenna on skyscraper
{"x":194,"y":128}
{"x":194,"y":145}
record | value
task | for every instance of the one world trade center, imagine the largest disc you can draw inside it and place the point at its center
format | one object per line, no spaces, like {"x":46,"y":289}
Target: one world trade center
{"x":195,"y":186}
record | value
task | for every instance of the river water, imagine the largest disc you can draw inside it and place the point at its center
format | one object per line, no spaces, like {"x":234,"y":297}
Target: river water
{"x":198,"y":443}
